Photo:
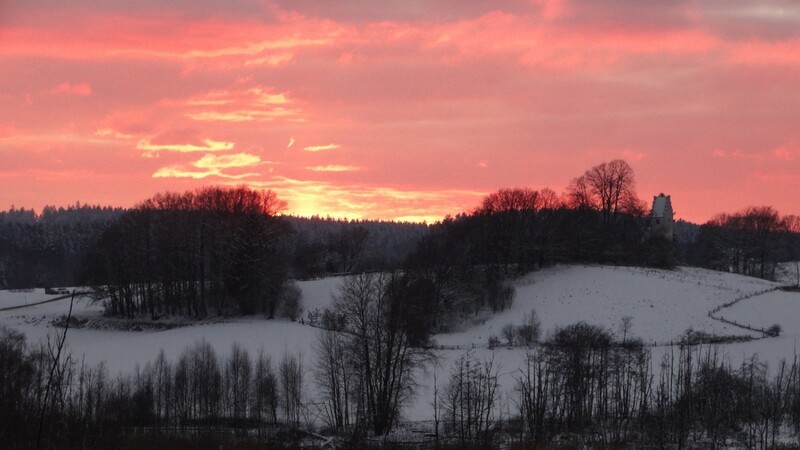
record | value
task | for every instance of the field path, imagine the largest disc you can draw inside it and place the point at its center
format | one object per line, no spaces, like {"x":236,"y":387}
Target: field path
{"x":50,"y":300}
{"x":713,"y":312}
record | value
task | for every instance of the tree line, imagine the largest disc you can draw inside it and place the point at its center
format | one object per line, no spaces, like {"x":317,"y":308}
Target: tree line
{"x":469,"y":260}
{"x":52,"y":248}
{"x":580,"y":387}
{"x":208,"y":251}
{"x":49,"y":249}
{"x":751,"y":242}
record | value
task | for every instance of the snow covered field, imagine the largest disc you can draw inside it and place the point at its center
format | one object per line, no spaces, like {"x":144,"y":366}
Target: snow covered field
{"x":662,"y":304}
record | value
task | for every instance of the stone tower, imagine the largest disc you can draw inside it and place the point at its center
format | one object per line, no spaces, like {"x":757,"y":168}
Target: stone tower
{"x":662,"y":222}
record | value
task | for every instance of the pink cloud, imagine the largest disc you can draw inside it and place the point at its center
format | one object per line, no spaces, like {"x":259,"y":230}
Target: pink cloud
{"x":81,"y":89}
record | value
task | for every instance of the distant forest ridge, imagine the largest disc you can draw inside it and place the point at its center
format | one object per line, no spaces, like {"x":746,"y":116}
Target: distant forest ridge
{"x":49,"y":248}
{"x":598,"y":218}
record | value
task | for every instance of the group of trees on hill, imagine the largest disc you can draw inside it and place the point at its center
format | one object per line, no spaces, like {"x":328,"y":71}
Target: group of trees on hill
{"x":187,"y":254}
{"x":51,"y":248}
{"x":469,"y":258}
{"x":752,"y":242}
{"x":336,"y":246}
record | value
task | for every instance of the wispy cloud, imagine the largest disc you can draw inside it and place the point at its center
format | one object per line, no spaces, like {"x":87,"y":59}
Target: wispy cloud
{"x":321,"y":148}
{"x":81,"y":89}
{"x":208,"y":145}
{"x":256,"y":104}
{"x":333,"y":168}
{"x":213,"y":165}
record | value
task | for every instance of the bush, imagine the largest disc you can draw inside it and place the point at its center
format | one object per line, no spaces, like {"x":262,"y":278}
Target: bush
{"x":494,"y":341}
{"x":291,"y":301}
{"x":775,"y":330}
{"x":530,"y":330}
{"x":509,"y":333}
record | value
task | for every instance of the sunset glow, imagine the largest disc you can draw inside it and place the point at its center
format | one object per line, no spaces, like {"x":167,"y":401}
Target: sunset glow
{"x":398,"y":110}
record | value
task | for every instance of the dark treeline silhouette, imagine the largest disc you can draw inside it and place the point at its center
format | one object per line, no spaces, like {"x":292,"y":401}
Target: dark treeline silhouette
{"x":467,"y":259}
{"x":48,"y":249}
{"x":214,"y":250}
{"x":81,"y":406}
{"x":323,"y":246}
{"x":752,"y":242}
{"x":580,"y":388}
{"x":585,"y":387}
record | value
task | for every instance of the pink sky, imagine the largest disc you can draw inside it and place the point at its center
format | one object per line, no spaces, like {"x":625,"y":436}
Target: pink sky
{"x":398,"y":110}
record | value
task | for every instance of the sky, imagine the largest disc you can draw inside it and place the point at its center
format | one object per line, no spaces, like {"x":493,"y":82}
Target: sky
{"x":405,"y":110}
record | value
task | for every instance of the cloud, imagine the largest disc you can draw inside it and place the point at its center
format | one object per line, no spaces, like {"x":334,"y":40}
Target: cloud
{"x":81,"y":89}
{"x":207,"y":145}
{"x":244,"y":115}
{"x":333,"y":168}
{"x":291,"y":142}
{"x":321,"y":148}
{"x":108,"y":132}
{"x":213,"y":165}
{"x":634,"y":155}
{"x":785,"y":153}
{"x":212,"y":161}
{"x":256,"y":104}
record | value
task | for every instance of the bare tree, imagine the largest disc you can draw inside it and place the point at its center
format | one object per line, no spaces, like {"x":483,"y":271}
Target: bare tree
{"x":609,"y":187}
{"x":374,"y":313}
{"x":290,"y":373}
{"x":625,"y":326}
{"x":792,"y":226}
{"x":470,"y":398}
{"x":530,"y":330}
{"x":336,"y":376}
{"x":238,"y":372}
{"x":264,"y":395}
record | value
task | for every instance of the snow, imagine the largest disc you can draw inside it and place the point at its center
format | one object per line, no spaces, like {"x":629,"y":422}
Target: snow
{"x":318,"y":294}
{"x":663,"y":304}
{"x":25,"y":297}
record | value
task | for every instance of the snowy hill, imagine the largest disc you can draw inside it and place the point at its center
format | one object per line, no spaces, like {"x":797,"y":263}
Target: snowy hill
{"x":662,"y":304}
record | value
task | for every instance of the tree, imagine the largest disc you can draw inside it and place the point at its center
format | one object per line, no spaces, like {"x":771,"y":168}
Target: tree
{"x":609,"y":187}
{"x":374,"y":316}
{"x":212,"y":249}
{"x":750,"y":242}
{"x":337,"y":378}
{"x":264,"y":397}
{"x":238,"y":373}
{"x":470,"y":398}
{"x":349,"y":244}
{"x":791,"y":223}
{"x":290,"y":373}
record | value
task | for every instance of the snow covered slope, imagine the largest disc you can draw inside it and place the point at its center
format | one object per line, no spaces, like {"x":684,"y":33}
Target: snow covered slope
{"x":662,"y":304}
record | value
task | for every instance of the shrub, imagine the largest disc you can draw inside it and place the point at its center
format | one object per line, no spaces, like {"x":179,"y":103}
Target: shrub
{"x":509,"y":333}
{"x":775,"y":330}
{"x":530,"y":330}
{"x":290,"y":301}
{"x":494,"y":341}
